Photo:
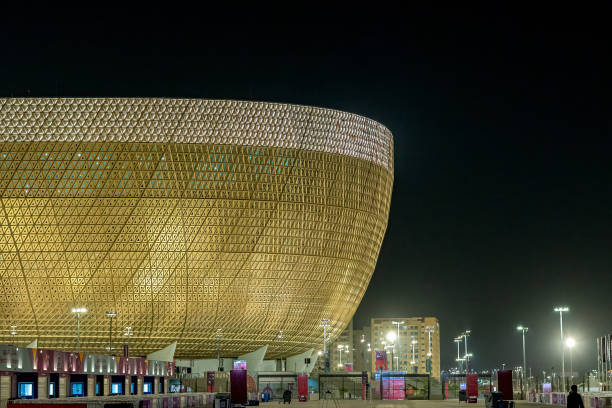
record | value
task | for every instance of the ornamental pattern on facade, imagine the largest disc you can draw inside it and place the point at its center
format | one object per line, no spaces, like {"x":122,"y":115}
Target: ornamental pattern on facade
{"x":184,"y":217}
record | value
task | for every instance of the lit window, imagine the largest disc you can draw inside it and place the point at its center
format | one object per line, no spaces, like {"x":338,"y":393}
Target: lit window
{"x":26,"y":390}
{"x":116,"y":388}
{"x":77,"y":389}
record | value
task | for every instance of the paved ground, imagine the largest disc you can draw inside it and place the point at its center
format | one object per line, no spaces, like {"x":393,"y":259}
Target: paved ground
{"x":393,"y":404}
{"x":375,"y":404}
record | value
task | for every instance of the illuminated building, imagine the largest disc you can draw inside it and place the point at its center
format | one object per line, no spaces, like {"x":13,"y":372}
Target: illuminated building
{"x":418,"y":347}
{"x":197,"y":221}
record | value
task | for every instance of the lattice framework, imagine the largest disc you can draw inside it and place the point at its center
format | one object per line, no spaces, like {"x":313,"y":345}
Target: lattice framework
{"x":181,"y":237}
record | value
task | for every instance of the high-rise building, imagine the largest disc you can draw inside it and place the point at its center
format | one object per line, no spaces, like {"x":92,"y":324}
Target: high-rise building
{"x":362,"y":349}
{"x":342,"y":350}
{"x":412,"y":343}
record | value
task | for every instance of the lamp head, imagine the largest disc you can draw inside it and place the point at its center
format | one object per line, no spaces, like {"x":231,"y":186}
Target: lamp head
{"x":391,"y":336}
{"x":561,"y":309}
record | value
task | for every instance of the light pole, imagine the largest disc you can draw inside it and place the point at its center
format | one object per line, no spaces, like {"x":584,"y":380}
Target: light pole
{"x":413,"y":361}
{"x":562,"y":309}
{"x":79,"y":311}
{"x":392,"y":337}
{"x":570,"y":343}
{"x":219,"y":336}
{"x":465,"y":335}
{"x":280,"y":337}
{"x":459,"y":359}
{"x":429,"y":329}
{"x":110,"y":315}
{"x":523,"y":330}
{"x":340,"y":348}
{"x":325,"y":323}
{"x":399,"y":349}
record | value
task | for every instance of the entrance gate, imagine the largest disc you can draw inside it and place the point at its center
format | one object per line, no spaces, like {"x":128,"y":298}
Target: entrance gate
{"x":340,"y":386}
{"x":404,"y":386}
{"x":456,"y":382}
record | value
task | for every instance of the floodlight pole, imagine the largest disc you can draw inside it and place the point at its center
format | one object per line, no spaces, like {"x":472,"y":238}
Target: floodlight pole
{"x":562,"y":309}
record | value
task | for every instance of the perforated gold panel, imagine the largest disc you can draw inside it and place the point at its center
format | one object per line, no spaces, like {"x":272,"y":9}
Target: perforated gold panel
{"x":185,"y":216}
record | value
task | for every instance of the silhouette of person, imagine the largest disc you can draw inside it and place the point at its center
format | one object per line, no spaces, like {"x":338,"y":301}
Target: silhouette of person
{"x":574,"y":400}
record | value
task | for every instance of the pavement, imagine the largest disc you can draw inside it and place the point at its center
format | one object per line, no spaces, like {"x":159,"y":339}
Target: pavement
{"x":453,"y":403}
{"x":375,"y":404}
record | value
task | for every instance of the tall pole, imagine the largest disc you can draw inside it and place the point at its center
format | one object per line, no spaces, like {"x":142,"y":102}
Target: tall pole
{"x":325,"y":323}
{"x":219,"y":335}
{"x":467,"y":356}
{"x":562,"y":309}
{"x":524,"y":370}
{"x":562,"y":348}
{"x":78,"y":332}
{"x":398,"y":323}
{"x":78,"y":311}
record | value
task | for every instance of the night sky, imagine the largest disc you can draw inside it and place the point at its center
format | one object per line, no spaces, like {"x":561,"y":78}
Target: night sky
{"x":501,"y":120}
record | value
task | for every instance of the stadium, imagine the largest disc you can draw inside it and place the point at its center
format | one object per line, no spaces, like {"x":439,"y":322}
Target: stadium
{"x":205,"y":222}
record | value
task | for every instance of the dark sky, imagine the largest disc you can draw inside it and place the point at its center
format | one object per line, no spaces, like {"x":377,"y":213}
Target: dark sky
{"x":501,"y":117}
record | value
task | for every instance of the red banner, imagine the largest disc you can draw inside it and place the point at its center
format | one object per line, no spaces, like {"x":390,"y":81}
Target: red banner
{"x":238,"y":387}
{"x":472,"y":385}
{"x":381,"y":360}
{"x":302,"y":380}
{"x":504,"y":382}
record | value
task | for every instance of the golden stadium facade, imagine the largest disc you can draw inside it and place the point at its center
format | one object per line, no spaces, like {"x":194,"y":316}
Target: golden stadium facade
{"x":184,"y":217}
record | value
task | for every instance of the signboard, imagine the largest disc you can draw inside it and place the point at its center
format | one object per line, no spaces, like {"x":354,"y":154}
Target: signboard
{"x":504,"y":381}
{"x":472,"y":385}
{"x":364,"y":382}
{"x":238,"y":387}
{"x":381,"y":360}
{"x":240,"y":365}
{"x":302,"y":380}
{"x":210,"y":381}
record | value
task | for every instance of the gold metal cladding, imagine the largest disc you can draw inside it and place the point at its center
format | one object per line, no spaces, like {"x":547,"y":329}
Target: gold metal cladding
{"x":185,"y":216}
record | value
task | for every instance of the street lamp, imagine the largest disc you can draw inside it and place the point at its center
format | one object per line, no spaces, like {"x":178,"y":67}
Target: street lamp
{"x":465,"y":335}
{"x":570,"y":343}
{"x":459,"y":359}
{"x":219,"y":336}
{"x":110,"y":315}
{"x":413,"y":362}
{"x":340,"y":349}
{"x":280,"y":337}
{"x":398,"y":339}
{"x":523,"y":330}
{"x":562,"y":309}
{"x":325,"y":323}
{"x":79,"y":311}
{"x":391,"y":337}
{"x":429,"y":329}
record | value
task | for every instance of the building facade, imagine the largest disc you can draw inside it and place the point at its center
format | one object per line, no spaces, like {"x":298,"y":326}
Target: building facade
{"x":362,"y":349}
{"x":412,"y":344}
{"x":215,"y":224}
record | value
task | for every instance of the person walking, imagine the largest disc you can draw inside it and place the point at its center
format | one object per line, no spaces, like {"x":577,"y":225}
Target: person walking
{"x":574,"y":400}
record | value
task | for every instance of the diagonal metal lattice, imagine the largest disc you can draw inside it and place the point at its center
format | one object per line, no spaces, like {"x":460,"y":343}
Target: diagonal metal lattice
{"x":185,"y":216}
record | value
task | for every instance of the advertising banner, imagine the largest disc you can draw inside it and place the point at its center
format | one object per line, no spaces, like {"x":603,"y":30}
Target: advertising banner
{"x":210,"y":381}
{"x":504,"y":381}
{"x":472,"y":385}
{"x":238,"y":387}
{"x":364,"y":382}
{"x":381,"y":360}
{"x":302,"y":385}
